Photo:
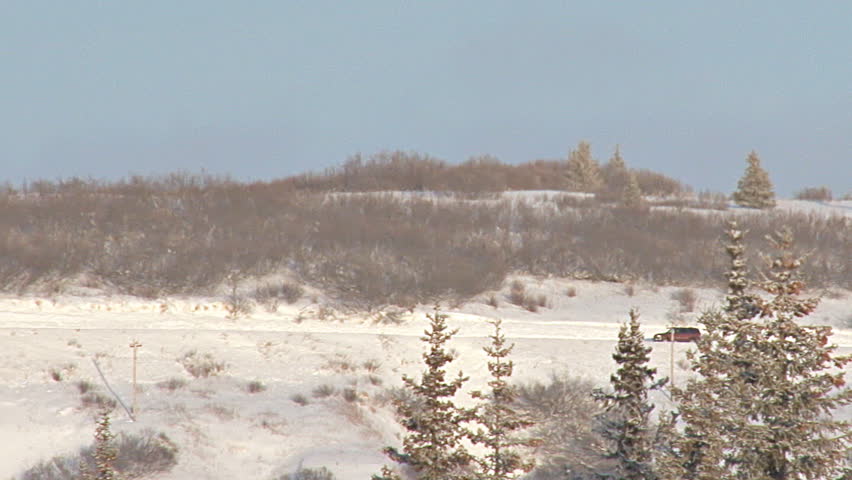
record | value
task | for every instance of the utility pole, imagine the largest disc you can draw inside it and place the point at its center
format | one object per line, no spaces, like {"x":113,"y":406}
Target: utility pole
{"x":135,"y":346}
{"x":671,"y":360}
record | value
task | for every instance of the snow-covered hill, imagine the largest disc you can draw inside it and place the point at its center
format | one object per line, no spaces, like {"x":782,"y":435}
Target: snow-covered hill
{"x":325,"y":372}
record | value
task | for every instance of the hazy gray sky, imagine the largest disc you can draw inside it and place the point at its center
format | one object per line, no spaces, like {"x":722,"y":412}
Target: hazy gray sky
{"x":261,"y":90}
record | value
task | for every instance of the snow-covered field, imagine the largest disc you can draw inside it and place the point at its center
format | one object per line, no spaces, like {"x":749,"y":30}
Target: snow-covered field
{"x":223,"y":431}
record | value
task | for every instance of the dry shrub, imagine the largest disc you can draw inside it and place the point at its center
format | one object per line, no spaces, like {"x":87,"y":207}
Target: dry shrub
{"x":323,"y":391}
{"x":59,"y":374}
{"x":372,"y":365}
{"x":563,"y":410}
{"x":172,"y":384}
{"x":236,"y":303}
{"x":83,"y":386}
{"x":492,"y":301}
{"x":653,"y":183}
{"x":518,"y":293}
{"x":98,"y":401}
{"x":816,"y":194}
{"x":255,"y":386}
{"x":302,"y":473}
{"x":145,"y":236}
{"x":299,"y":399}
{"x":686,"y":298}
{"x":350,"y":394}
{"x":271,"y":294}
{"x":137,"y":456}
{"x":571,"y":292}
{"x":201,"y":365}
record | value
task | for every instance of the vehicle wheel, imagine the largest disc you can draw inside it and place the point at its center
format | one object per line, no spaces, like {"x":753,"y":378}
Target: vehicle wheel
{"x":658,"y":338}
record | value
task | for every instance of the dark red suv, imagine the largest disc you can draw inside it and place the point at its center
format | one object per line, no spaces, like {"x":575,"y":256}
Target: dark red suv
{"x":681,"y":334}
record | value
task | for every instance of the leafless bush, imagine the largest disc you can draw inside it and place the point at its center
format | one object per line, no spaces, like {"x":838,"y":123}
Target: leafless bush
{"x":323,"y":391}
{"x":145,"y":236}
{"x":492,"y":301}
{"x":172,"y":384}
{"x":255,"y":386}
{"x":141,"y":455}
{"x":653,"y":183}
{"x":518,"y":293}
{"x":270,"y":294}
{"x":299,"y":399}
{"x":98,"y":401}
{"x":563,"y":410}
{"x":60,"y":373}
{"x":371,"y":366}
{"x":320,"y":473}
{"x":236,"y":303}
{"x":686,"y":298}
{"x":83,"y":386}
{"x":531,"y":304}
{"x":137,"y":456}
{"x":816,"y":194}
{"x":350,"y":394}
{"x":201,"y":365}
{"x":571,"y":292}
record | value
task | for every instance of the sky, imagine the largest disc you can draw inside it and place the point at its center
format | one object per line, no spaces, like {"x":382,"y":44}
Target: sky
{"x":266,"y":89}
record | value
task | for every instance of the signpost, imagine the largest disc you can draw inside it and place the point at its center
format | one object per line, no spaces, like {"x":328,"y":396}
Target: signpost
{"x":135,"y":346}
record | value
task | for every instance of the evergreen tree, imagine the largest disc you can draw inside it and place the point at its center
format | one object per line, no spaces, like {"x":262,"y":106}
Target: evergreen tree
{"x":632,"y":194}
{"x":754,"y":188}
{"x":583,"y":172}
{"x":761,"y":404}
{"x":105,"y":451}
{"x":614,"y":172}
{"x":790,"y":432}
{"x":499,"y":418}
{"x":624,"y":424}
{"x":433,"y":448}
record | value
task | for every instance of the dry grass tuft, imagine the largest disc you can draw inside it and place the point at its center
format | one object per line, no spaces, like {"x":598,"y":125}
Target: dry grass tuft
{"x":201,"y":365}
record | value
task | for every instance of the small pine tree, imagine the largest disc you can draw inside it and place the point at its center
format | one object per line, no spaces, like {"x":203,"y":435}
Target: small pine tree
{"x":624,"y":424}
{"x":499,"y":418}
{"x":632,"y":196}
{"x":105,"y":451}
{"x":433,"y":448}
{"x":583,"y":172}
{"x":754,"y":188}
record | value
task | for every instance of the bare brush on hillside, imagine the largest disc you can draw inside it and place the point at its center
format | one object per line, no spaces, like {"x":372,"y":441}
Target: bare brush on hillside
{"x":564,"y":411}
{"x":145,"y":236}
{"x":137,"y":456}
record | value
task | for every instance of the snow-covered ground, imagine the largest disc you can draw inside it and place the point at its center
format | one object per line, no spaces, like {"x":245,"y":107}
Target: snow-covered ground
{"x":223,"y":431}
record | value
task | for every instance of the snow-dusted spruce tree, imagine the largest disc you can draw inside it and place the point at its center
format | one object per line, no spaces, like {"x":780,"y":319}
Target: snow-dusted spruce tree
{"x":624,"y":423}
{"x":584,"y":173}
{"x":761,"y":404}
{"x":105,"y":451}
{"x":432,"y":449}
{"x":790,"y":432}
{"x":631,"y":197}
{"x":500,"y":421}
{"x":754,"y":188}
{"x":615,"y":177}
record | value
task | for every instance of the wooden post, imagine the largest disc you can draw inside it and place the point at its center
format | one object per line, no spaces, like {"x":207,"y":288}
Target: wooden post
{"x":671,"y":360}
{"x":135,"y":346}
